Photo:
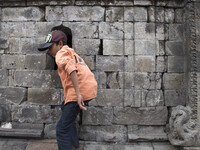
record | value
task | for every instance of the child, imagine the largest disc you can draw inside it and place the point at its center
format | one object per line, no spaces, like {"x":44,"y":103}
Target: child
{"x":79,"y":86}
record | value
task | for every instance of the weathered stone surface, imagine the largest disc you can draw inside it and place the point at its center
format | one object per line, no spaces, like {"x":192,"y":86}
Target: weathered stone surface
{"x":109,"y":63}
{"x":13,"y":95}
{"x":161,"y":65}
{"x":160,"y":14}
{"x":134,"y":146}
{"x":93,"y":146}
{"x":151,"y":13}
{"x":91,"y":48}
{"x":154,"y":98}
{"x":160,"y":33}
{"x":114,"y":133}
{"x":16,"y":125}
{"x":145,"y":63}
{"x":39,"y":62}
{"x":5,"y":113}
{"x":35,"y":114}
{"x":161,"y":47}
{"x":174,"y":48}
{"x":128,"y":30}
{"x":140,"y":116}
{"x":13,"y":144}
{"x":44,"y":96}
{"x":113,"y":47}
{"x":176,"y":63}
{"x":37,"y":78}
{"x":178,"y":15}
{"x":173,"y":81}
{"x":3,"y":77}
{"x":147,"y":80}
{"x":13,"y":61}
{"x":164,"y":146}
{"x":22,"y":14}
{"x":50,"y":131}
{"x":89,"y":60}
{"x":74,"y":13}
{"x":83,"y":29}
{"x":176,"y":32}
{"x":110,"y":97}
{"x":13,"y":46}
{"x":169,"y":15}
{"x":42,"y":144}
{"x":111,"y":30}
{"x":135,"y":14}
{"x":129,"y":46}
{"x":114,"y":14}
{"x":98,"y":116}
{"x":130,"y":98}
{"x":144,"y":31}
{"x":145,"y":47}
{"x":143,"y":2}
{"x":146,"y":133}
{"x":101,"y":79}
{"x":175,"y":97}
{"x":3,"y":43}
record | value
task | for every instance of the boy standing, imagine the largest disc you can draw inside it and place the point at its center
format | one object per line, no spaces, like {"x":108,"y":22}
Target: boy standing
{"x":78,"y":83}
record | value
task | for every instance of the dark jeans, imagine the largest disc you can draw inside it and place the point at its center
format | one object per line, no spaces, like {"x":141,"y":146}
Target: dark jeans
{"x":66,"y":133}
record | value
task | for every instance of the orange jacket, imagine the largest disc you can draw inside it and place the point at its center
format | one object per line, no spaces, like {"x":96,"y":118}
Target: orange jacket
{"x":68,"y":61}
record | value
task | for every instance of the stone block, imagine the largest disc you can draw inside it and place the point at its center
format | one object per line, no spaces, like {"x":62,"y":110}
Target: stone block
{"x":129,"y":63}
{"x":173,"y":81}
{"x":50,"y":131}
{"x":110,"y":97}
{"x":160,"y":45}
{"x":3,"y":77}
{"x":164,"y":146}
{"x":39,"y":62}
{"x":144,"y":31}
{"x":25,"y":13}
{"x":111,"y":30}
{"x":16,"y":125}
{"x":169,"y":15}
{"x":126,"y":80}
{"x":113,"y":133}
{"x":75,"y":13}
{"x":135,"y":14}
{"x":13,"y":61}
{"x":129,"y":30}
{"x":89,"y":60}
{"x":95,"y":146}
{"x":89,"y":3}
{"x":129,"y":99}
{"x":176,"y":63}
{"x":144,"y":63}
{"x":13,"y":28}
{"x":10,"y":144}
{"x":35,"y":114}
{"x":161,"y":65}
{"x":86,"y":46}
{"x":175,"y":3}
{"x":5,"y":115}
{"x":174,"y":48}
{"x":37,"y":145}
{"x":44,"y":96}
{"x":146,"y":133}
{"x":176,"y":32}
{"x":151,"y":13}
{"x":109,"y":63}
{"x":13,"y":46}
{"x":178,"y":15}
{"x":140,"y":116}
{"x":175,"y":97}
{"x":3,"y":43}
{"x":145,"y":47}
{"x":114,"y":80}
{"x":153,"y":98}
{"x":114,"y":14}
{"x":98,"y":116}
{"x":54,"y":13}
{"x":160,"y":14}
{"x":12,"y":95}
{"x":113,"y":47}
{"x":37,"y":78}
{"x":129,"y":46}
{"x":143,"y":2}
{"x":101,"y":79}
{"x":83,"y":29}
{"x":160,"y":33}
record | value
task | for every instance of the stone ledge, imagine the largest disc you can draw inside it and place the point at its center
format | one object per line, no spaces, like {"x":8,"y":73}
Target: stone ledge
{"x":21,"y":133}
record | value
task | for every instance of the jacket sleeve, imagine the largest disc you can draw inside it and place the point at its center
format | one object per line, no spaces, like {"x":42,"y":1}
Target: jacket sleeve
{"x":66,"y":61}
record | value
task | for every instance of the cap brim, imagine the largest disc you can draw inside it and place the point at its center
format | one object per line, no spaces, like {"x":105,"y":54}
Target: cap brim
{"x":45,"y":46}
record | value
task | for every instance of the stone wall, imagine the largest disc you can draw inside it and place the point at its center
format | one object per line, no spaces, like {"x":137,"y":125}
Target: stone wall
{"x":136,"y":50}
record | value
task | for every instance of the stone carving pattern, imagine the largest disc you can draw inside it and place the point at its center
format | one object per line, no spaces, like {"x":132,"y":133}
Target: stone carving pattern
{"x":182,"y":129}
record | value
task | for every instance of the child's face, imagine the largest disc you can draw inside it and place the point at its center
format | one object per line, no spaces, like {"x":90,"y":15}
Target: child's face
{"x":54,"y":48}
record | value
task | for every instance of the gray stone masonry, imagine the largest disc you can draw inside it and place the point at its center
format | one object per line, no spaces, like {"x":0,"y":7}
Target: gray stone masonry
{"x":138,"y":51}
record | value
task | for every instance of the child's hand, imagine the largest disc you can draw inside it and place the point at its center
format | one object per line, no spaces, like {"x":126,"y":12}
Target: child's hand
{"x":81,"y":103}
